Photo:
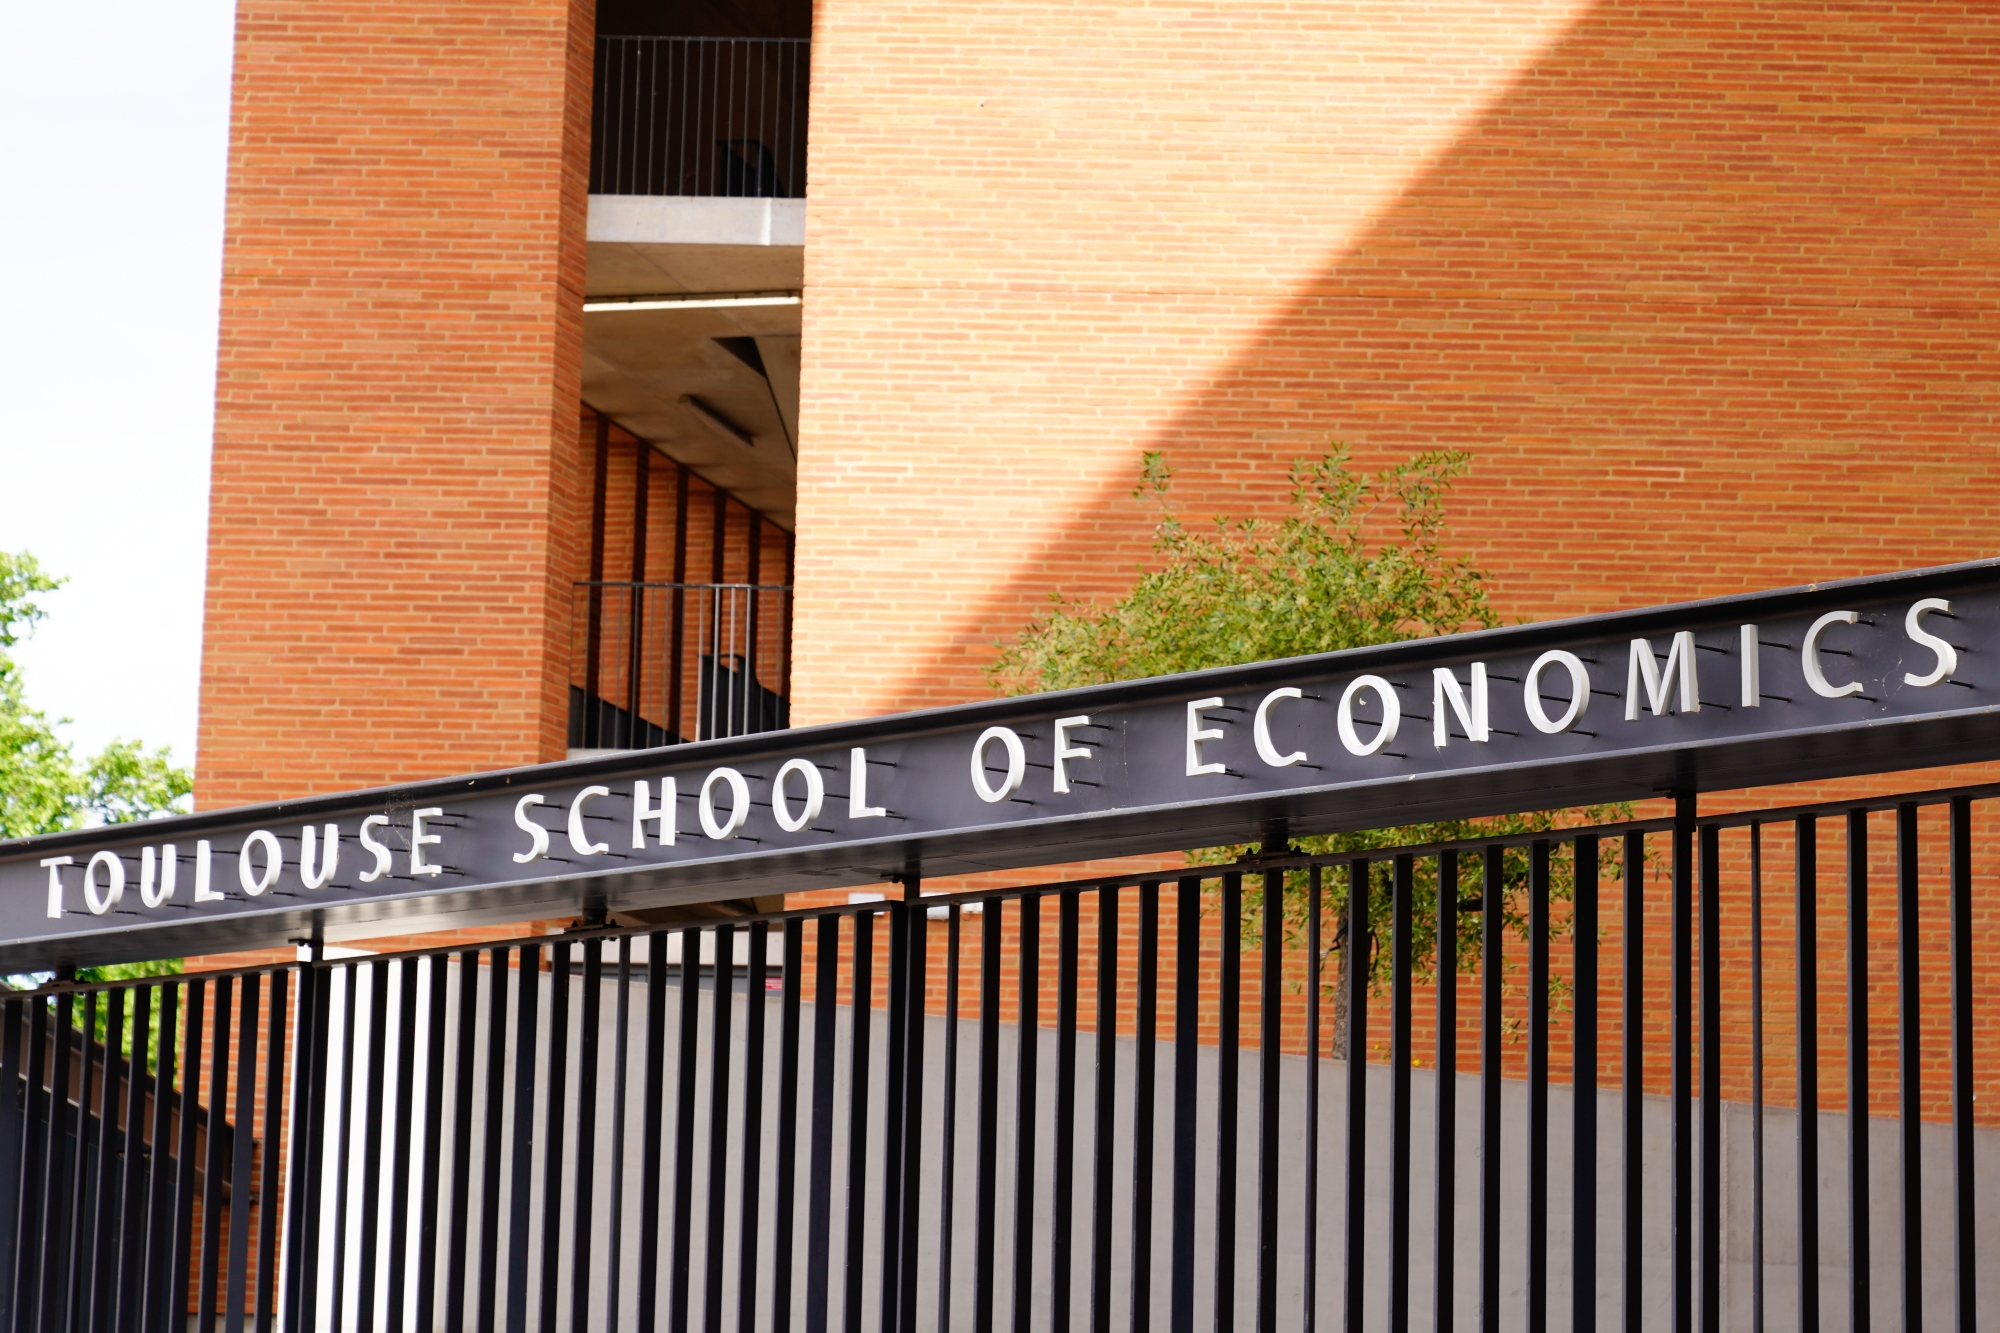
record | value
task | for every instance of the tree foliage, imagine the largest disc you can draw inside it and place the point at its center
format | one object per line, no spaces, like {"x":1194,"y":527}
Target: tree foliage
{"x":1359,"y":560}
{"x":44,"y":786}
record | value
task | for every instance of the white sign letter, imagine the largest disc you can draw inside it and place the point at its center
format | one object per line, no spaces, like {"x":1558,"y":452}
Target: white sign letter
{"x":1065,"y":751}
{"x":322,"y":875}
{"x":739,"y":809}
{"x":642,"y":794}
{"x":1392,"y":715}
{"x":1446,"y":691}
{"x":169,"y":865}
{"x":1947,"y":656}
{"x":538,"y":837}
{"x":202,"y":852}
{"x":1260,"y":730}
{"x":1017,"y":764}
{"x":55,"y":865}
{"x":1197,"y":735}
{"x":1579,"y":684}
{"x":857,"y":787}
{"x":274,"y":860}
{"x":368,"y":842}
{"x":1753,"y":669}
{"x":1660,"y":682}
{"x":1809,"y":657}
{"x":420,"y":840}
{"x":579,"y":840}
{"x":815,"y":795}
{"x":114,"y":874}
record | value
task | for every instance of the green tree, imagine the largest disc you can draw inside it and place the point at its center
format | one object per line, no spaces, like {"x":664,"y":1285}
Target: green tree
{"x":1359,"y":560}
{"x":44,"y":787}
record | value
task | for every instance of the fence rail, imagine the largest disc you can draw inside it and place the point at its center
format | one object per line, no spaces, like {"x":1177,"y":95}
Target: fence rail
{"x":1118,"y":1103}
{"x":702,"y":116}
{"x":656,"y":664}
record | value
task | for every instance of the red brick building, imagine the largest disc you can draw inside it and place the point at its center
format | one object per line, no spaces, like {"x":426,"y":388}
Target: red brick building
{"x":1706,"y":291}
{"x":594,"y":379}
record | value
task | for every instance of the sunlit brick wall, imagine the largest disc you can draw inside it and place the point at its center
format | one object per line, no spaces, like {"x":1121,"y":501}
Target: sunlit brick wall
{"x":398,"y":490}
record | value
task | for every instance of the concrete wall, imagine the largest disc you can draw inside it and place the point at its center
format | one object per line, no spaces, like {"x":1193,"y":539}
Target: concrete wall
{"x":636,"y":1268}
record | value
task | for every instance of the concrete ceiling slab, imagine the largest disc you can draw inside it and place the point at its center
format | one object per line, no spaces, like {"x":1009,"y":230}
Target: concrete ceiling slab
{"x":640,"y":367}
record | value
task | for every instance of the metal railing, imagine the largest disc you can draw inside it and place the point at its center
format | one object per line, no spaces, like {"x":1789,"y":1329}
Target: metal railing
{"x":662,"y":663}
{"x":1099,"y":1104}
{"x":703,"y":116}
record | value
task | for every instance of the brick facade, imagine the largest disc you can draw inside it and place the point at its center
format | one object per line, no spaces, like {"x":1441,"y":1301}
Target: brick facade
{"x":1705,"y":289}
{"x":397,"y":489}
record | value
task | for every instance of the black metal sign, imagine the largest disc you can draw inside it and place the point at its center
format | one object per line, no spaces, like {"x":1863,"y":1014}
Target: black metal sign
{"x":1895,"y":672}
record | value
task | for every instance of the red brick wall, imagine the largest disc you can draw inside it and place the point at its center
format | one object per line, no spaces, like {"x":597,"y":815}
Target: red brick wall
{"x":398,"y":484}
{"x":1705,"y":288}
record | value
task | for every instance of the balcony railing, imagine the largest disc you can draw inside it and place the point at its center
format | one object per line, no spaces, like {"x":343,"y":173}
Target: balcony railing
{"x":656,"y":664}
{"x":717,"y":117}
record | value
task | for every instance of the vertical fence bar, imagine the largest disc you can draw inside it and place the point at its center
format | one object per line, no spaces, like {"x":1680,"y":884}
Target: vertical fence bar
{"x":653,"y":1108}
{"x":1270,"y":1032}
{"x":555,"y":1119}
{"x":1583,"y":1171}
{"x":211,"y":1194}
{"x":174,"y":1282}
{"x":1632,"y":1076}
{"x":91,"y":1298}
{"x":1493,"y":887}
{"x":455,"y":1290}
{"x":788,"y":1123}
{"x":237,"y":1296}
{"x":1857,"y":1074}
{"x":989,"y":1105}
{"x":1806,"y":880}
{"x":98,"y":1266}
{"x":948,"y":1128}
{"x":583,"y":1220}
{"x":895,"y":1072}
{"x":1538,"y":1084}
{"x":614,"y":1250}
{"x":71,"y":1300}
{"x":1965,"y":1259}
{"x":302,"y":1173}
{"x":1356,"y":963}
{"x":1104,"y":1126}
{"x":1145,"y":1007}
{"x":13,"y":1148}
{"x":681,"y":1241}
{"x":1757,"y":1080}
{"x":371,"y":1142}
{"x":1062,"y":1230}
{"x":521,"y":1169}
{"x":24,"y":1278}
{"x":1683,"y":1060}
{"x":916,"y":989}
{"x":1187,"y":965}
{"x":1229,"y":982}
{"x":492,"y":1145}
{"x":863,"y":1022}
{"x":1402,"y":908}
{"x":267,"y":1190}
{"x":1026,"y":1077}
{"x":819,"y":1197}
{"x":125,"y":1270}
{"x":1309,"y":1231}
{"x":1909,"y":981}
{"x":756,"y":1005}
{"x":720,"y":1033}
{"x":1711,"y":1079}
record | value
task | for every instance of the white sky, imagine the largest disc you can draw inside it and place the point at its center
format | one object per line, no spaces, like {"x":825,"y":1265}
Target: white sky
{"x":114,"y":123}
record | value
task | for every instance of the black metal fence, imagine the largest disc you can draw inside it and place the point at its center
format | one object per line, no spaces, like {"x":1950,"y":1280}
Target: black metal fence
{"x":661,"y":663}
{"x":705,"y":116}
{"x":1114,"y":1104}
